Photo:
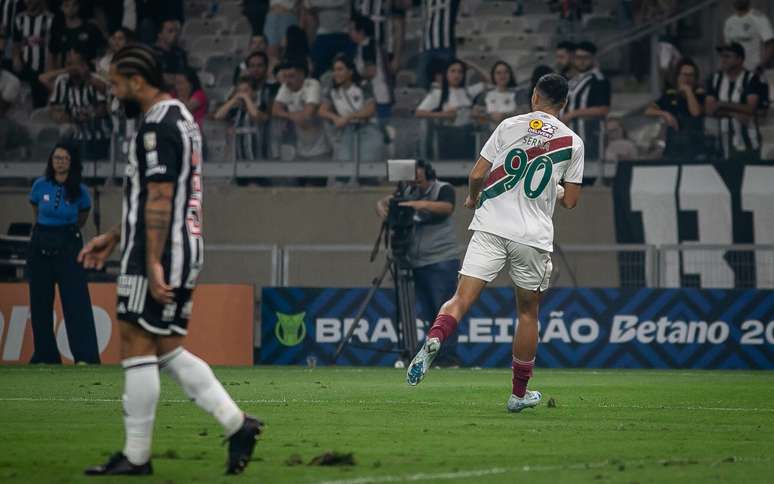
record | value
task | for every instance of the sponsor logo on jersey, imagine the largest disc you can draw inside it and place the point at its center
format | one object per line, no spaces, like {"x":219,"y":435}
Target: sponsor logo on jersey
{"x":290,"y":329}
{"x":149,"y":141}
{"x":541,"y":128}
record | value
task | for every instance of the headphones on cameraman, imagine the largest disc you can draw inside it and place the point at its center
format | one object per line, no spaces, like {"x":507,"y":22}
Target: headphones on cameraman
{"x":428,"y":169}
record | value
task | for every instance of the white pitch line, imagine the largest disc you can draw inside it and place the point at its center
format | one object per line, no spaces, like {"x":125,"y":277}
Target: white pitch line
{"x":529,"y":468}
{"x":284,"y":401}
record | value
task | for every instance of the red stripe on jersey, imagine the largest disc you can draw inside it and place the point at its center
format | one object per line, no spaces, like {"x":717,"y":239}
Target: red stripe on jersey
{"x":532,"y":153}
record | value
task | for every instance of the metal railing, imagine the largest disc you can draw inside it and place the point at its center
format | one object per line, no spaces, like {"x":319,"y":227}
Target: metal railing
{"x":598,"y":265}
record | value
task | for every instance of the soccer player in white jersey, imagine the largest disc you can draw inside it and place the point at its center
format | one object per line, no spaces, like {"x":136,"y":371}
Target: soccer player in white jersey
{"x":529,"y":163}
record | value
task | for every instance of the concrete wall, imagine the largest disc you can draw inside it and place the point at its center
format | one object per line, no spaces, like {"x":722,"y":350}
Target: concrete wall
{"x":256,"y":215}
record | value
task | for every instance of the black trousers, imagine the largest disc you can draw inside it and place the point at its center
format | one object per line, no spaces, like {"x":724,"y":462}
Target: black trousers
{"x":53,"y":262}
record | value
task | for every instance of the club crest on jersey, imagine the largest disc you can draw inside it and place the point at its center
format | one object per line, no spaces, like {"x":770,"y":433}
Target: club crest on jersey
{"x":149,"y":141}
{"x":540,"y":128}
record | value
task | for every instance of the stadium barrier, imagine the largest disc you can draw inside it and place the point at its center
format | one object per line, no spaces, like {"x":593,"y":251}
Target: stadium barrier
{"x":580,"y":328}
{"x":222,"y":324}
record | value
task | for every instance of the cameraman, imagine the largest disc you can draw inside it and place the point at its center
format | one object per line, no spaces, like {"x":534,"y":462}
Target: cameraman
{"x":433,"y":252}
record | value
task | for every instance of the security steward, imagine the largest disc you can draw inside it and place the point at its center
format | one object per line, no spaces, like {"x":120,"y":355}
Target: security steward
{"x":61,"y":205}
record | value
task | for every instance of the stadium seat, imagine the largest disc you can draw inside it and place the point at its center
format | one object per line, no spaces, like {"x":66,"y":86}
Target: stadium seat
{"x":495,"y":9}
{"x":599,"y":22}
{"x":476,"y":44}
{"x":211,"y":45}
{"x":220,"y":63}
{"x":200,"y":27}
{"x":405,"y":78}
{"x":504,"y":25}
{"x":40,"y":116}
{"x":225,"y":79}
{"x":207,"y":79}
{"x":241,"y":26}
{"x":219,"y":94}
{"x":230,"y":10}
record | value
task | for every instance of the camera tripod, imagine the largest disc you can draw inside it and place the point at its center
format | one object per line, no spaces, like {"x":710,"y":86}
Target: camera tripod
{"x":405,"y":322}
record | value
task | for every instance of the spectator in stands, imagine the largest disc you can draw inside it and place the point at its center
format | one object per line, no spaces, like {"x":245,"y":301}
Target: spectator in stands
{"x":118,"y":40}
{"x":248,"y":111}
{"x":351,"y":107}
{"x":618,"y":146}
{"x":78,"y":98}
{"x":451,"y":106}
{"x":438,"y":37}
{"x":733,"y":96}
{"x":8,"y":11}
{"x":752,"y":29}
{"x":12,"y":135}
{"x":297,"y":103}
{"x":255,"y":65}
{"x":282,"y":14}
{"x":389,"y":28}
{"x":295,"y":47}
{"x":332,"y":32}
{"x":371,"y":64}
{"x":500,"y":102}
{"x":32,"y":29}
{"x":61,"y":206}
{"x":188,"y":89}
{"x":564,"y":59}
{"x":174,"y":60}
{"x":151,"y":14}
{"x":588,"y":101}
{"x":72,"y":31}
{"x":681,"y":108}
{"x":255,"y":11}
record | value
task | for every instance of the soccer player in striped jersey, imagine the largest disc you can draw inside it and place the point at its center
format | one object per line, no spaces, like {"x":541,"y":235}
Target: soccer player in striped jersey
{"x":162,"y":249}
{"x":529,"y":163}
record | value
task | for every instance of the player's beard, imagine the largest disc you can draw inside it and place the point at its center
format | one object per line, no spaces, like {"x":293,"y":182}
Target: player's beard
{"x":132,"y":108}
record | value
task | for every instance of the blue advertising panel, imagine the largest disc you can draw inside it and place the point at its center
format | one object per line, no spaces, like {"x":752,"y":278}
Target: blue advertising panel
{"x":580,"y":328}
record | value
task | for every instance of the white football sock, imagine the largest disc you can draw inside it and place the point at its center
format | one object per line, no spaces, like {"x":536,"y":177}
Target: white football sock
{"x":141,"y":393}
{"x":199,"y":383}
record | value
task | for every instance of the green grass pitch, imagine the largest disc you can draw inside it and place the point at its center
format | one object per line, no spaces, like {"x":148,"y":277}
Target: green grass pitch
{"x":606,"y":426}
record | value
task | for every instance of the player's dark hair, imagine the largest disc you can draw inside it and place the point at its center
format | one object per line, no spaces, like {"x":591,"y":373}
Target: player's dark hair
{"x":350,"y":65}
{"x":361,"y":23}
{"x":72,"y":184}
{"x":445,"y":88}
{"x":139,"y":60}
{"x":554,"y":88}
{"x":511,"y":77}
{"x":566,"y":45}
{"x":537,"y":73}
{"x":428,"y":169}
{"x":587,"y":46}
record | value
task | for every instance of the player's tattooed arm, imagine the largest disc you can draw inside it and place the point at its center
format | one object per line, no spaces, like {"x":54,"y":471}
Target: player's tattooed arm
{"x":476,"y":181}
{"x":158,"y":214}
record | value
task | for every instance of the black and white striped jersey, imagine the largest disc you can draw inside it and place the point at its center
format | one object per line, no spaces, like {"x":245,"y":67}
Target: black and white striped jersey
{"x":439,"y":19}
{"x":587,"y":90}
{"x":31,"y":33}
{"x":8,"y":11}
{"x":166,"y":148}
{"x":736,"y":132}
{"x":86,"y":106}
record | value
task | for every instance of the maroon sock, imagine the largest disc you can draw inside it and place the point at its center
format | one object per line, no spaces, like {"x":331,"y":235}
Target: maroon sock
{"x":522,"y":372}
{"x":443,"y":327}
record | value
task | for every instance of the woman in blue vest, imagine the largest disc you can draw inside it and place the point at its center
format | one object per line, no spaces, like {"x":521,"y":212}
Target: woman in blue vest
{"x":61,"y":204}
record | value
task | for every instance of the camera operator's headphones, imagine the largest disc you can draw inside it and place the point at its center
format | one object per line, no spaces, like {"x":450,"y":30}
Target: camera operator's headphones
{"x":428,"y":169}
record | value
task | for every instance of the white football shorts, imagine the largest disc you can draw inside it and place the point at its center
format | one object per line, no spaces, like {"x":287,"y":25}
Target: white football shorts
{"x":529,"y":267}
